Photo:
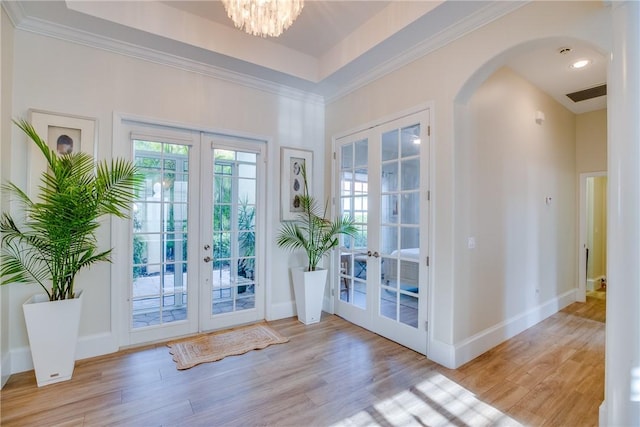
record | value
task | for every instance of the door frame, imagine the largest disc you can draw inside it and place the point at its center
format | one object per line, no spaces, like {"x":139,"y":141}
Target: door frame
{"x":428,"y":108}
{"x":210,"y":142}
{"x":120,"y":228}
{"x":581,"y":289}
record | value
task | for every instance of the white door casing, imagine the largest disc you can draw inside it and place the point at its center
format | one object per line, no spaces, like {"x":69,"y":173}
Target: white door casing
{"x":382,"y":180}
{"x":196,"y":199}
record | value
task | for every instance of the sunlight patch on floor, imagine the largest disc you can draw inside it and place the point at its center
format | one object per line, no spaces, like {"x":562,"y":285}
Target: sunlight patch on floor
{"x":436,"y":401}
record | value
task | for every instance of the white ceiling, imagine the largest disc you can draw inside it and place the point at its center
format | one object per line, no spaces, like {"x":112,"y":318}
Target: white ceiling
{"x":322,"y":25}
{"x":333,"y":47}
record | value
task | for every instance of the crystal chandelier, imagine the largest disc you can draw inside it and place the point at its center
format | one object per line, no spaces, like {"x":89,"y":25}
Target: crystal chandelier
{"x":263,"y":17}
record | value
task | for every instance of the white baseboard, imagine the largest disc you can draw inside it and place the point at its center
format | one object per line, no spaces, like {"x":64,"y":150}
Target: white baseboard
{"x":602,"y":414}
{"x":88,"y":346}
{"x":5,"y":369}
{"x":96,"y":345}
{"x":282,"y":310}
{"x":594,"y":283}
{"x":441,"y":353}
{"x":474,"y":346}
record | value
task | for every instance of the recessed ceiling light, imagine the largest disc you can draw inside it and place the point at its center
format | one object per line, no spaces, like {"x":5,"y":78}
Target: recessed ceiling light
{"x":581,"y":63}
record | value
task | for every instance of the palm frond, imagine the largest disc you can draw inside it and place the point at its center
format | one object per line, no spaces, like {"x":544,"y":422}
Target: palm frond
{"x":312,"y":230}
{"x":58,"y":235}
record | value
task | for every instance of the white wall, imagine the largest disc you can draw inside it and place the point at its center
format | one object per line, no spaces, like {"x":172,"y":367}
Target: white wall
{"x":448,"y":77}
{"x":506,"y":169}
{"x":6,"y":54}
{"x":63,"y":77}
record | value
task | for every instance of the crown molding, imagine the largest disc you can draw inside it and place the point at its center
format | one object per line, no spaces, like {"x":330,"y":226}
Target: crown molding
{"x":326,"y":93}
{"x":81,"y":37}
{"x":15,"y":11}
{"x":484,"y":16}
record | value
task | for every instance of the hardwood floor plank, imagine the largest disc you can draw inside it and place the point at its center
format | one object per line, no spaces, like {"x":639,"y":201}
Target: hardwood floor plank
{"x":505,"y":394}
{"x":144,"y":412}
{"x":69,"y":413}
{"x":333,"y":373}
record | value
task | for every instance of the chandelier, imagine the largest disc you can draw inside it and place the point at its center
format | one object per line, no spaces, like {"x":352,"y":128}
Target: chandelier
{"x":263,"y":17}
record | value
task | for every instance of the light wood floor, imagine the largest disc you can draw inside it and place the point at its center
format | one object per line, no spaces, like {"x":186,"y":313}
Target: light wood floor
{"x":334,"y":373}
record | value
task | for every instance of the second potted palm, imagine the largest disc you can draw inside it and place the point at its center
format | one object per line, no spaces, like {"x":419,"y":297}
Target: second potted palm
{"x":317,"y":235}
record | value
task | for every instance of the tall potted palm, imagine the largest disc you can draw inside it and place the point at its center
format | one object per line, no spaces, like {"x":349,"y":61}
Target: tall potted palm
{"x":317,"y":235}
{"x":55,"y":241}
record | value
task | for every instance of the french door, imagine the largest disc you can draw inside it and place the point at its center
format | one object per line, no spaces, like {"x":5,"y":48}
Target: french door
{"x":382,"y":281}
{"x":196,"y":245}
{"x":231,"y":281}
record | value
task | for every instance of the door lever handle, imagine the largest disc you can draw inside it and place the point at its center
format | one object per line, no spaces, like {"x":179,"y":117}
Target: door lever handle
{"x":208,"y":259}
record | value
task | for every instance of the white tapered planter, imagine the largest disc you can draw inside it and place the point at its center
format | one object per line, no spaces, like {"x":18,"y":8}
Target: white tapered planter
{"x":308,"y":287}
{"x":53,"y":333}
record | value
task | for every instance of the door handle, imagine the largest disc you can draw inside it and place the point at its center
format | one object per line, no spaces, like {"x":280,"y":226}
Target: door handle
{"x":373,"y":254}
{"x":208,"y":259}
{"x":207,"y":247}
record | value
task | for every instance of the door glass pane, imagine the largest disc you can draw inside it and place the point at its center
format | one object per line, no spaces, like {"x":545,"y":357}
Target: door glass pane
{"x":390,"y":145}
{"x":410,"y":208}
{"x":234,"y":231}
{"x":159,"y":290}
{"x":389,"y":176}
{"x":410,"y":140}
{"x":361,"y":150}
{"x":347,"y":157}
{"x":399,"y":228}
{"x":410,"y":174}
{"x":389,"y":208}
{"x":354,"y":202}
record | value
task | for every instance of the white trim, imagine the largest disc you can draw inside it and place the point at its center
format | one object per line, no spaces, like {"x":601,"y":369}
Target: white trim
{"x":84,"y":38}
{"x":415,"y":338}
{"x":327,"y":300}
{"x":96,"y":345}
{"x":441,"y":353}
{"x":386,"y":119}
{"x":120,"y":228}
{"x":281,"y":310}
{"x":5,"y":368}
{"x":602,"y":414}
{"x":591,"y":282}
{"x":88,"y":346}
{"x":15,"y":12}
{"x":479,"y":343}
{"x":20,"y":359}
{"x":486,"y":15}
{"x":119,"y":117}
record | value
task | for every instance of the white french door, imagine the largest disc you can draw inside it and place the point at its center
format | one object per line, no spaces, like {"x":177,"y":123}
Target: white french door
{"x":231,"y":229}
{"x":383,"y":184}
{"x":195,"y":236}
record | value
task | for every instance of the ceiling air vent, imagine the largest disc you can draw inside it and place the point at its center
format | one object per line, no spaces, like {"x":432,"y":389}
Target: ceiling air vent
{"x":583,"y":95}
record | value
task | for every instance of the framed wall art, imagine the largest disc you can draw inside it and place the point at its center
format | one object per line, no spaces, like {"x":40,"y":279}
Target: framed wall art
{"x":64,"y":134}
{"x":291,"y":181}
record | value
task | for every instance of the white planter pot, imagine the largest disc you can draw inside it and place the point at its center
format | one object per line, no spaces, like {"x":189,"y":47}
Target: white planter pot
{"x":308,"y":287}
{"x":53,"y":333}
